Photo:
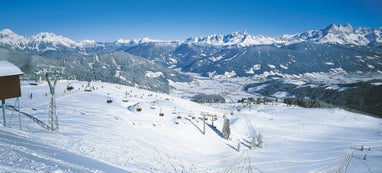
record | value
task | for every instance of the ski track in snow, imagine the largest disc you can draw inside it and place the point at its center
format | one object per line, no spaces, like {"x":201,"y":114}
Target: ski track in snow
{"x":96,"y":136}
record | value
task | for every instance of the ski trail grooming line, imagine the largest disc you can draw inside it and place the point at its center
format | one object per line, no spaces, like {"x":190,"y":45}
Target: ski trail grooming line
{"x":340,"y":166}
{"x":242,"y":163}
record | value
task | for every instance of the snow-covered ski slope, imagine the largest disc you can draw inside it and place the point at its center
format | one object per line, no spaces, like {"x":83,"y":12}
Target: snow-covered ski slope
{"x":96,"y":136}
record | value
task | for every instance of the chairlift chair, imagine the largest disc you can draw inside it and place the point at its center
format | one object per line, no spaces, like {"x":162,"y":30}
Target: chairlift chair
{"x":88,"y":88}
{"x":125,"y":100}
{"x":69,"y":87}
{"x":34,"y":83}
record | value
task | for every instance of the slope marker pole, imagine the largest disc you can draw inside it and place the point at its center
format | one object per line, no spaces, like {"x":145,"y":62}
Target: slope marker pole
{"x":3,"y":107}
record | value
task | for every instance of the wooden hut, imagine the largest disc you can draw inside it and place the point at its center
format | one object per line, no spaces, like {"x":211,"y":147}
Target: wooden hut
{"x":9,"y":83}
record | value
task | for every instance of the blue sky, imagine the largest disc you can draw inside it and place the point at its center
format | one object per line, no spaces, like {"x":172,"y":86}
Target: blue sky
{"x":109,"y":20}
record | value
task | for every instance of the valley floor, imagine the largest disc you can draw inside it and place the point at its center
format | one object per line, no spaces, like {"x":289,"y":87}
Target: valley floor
{"x":96,"y":136}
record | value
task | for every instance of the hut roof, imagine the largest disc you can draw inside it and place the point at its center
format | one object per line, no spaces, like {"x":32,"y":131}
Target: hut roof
{"x":9,"y":69}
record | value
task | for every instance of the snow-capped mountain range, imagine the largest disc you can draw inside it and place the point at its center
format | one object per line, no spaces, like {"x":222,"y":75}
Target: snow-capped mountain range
{"x":337,"y":50}
{"x":351,"y":49}
{"x":333,"y":34}
{"x":339,"y":34}
{"x":236,"y":38}
{"x":43,"y":41}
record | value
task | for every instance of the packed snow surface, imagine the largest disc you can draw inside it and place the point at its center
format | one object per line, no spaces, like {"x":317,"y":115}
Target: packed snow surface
{"x":128,"y":135}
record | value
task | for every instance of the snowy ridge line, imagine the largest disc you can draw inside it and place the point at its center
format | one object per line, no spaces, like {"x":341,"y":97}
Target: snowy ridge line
{"x":332,"y":34}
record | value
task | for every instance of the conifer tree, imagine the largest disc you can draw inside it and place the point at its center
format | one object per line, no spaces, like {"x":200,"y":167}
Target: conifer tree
{"x":253,"y":143}
{"x":238,"y":145}
{"x":226,"y":129}
{"x":260,"y":140}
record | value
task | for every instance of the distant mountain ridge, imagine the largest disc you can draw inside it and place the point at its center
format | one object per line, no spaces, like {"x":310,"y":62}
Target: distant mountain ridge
{"x":234,"y":39}
{"x":333,"y":34}
{"x":340,"y":34}
{"x":44,"y":41}
{"x":153,"y":64}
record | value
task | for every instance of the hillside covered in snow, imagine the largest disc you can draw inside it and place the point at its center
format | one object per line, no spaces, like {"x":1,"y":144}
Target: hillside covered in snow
{"x":129,"y":135}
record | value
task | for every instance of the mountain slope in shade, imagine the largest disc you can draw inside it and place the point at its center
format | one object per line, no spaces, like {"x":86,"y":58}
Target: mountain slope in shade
{"x":293,"y":59}
{"x":117,"y":67}
{"x":264,"y":60}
